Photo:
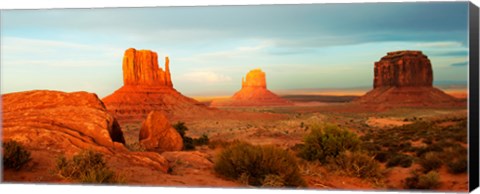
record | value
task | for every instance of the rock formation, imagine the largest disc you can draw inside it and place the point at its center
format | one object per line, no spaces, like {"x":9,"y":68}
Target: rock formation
{"x":147,"y":88}
{"x":34,"y":112}
{"x":403,"y":69}
{"x":52,"y":123}
{"x":157,"y":134}
{"x":141,"y":68}
{"x":254,"y":92}
{"x":404,"y":78}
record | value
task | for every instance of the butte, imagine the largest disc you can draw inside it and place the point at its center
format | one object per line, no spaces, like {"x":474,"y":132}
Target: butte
{"x":404,"y":79}
{"x":254,"y":92}
{"x":146,"y":87}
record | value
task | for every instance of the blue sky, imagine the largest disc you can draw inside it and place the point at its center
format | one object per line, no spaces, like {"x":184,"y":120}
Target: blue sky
{"x":211,"y":48}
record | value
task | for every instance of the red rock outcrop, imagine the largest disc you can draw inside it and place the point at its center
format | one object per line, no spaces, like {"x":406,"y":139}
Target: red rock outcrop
{"x":255,"y":78}
{"x":147,"y":88}
{"x":157,"y":134}
{"x":53,"y":123}
{"x":254,"y":92}
{"x":403,"y":69}
{"x":404,"y":78}
{"x":43,"y":112}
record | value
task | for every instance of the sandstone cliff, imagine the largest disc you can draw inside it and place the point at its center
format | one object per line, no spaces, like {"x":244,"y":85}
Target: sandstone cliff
{"x":254,"y":92}
{"x":404,"y":78}
{"x":140,"y":67}
{"x":148,"y":88}
{"x":403,"y":68}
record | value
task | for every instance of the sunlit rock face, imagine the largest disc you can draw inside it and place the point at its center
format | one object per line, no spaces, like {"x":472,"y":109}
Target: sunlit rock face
{"x":147,"y":87}
{"x":51,"y":124}
{"x":404,"y":78}
{"x":254,"y":92}
{"x":140,"y":67}
{"x":67,"y":120}
{"x":255,"y":78}
{"x":158,"y":135}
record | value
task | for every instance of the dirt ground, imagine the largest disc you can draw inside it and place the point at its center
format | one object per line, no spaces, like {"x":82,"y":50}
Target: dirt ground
{"x":288,"y":130}
{"x":284,"y":127}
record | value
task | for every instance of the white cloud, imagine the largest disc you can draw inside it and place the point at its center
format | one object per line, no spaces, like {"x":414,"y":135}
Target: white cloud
{"x":205,"y":76}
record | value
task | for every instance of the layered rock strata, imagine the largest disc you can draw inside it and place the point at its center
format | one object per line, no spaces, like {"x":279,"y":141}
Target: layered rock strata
{"x":404,"y":78}
{"x":50,"y":124}
{"x":147,"y":88}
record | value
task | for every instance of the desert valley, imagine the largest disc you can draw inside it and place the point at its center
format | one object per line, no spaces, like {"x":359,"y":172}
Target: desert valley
{"x":404,"y":133}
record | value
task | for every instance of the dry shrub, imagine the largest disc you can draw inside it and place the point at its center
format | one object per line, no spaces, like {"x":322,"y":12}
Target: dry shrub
{"x":402,"y":160}
{"x":423,"y":181}
{"x":328,"y":141}
{"x":87,"y":167}
{"x":358,"y":164}
{"x":456,"y":159}
{"x":259,"y":165}
{"x":430,"y":161}
{"x":15,"y":156}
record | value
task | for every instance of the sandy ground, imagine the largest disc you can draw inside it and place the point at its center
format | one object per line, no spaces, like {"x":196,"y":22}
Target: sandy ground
{"x":285,"y":129}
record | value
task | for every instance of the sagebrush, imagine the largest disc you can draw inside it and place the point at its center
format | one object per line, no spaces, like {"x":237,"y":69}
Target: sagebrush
{"x":431,"y":180}
{"x":87,"y":167}
{"x":259,"y":165}
{"x":15,"y":156}
{"x":358,"y":164}
{"x":328,"y":141}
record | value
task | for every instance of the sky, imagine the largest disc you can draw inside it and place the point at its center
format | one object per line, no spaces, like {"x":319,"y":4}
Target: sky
{"x":211,"y":48}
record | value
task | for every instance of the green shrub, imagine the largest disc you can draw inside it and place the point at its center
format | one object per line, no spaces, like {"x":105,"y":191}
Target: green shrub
{"x":181,"y":128}
{"x":430,"y":161}
{"x":15,"y":156}
{"x":423,"y":181}
{"x":258,"y":165}
{"x":402,"y":160}
{"x":328,"y":141}
{"x":203,"y":140}
{"x":86,"y":167}
{"x":356,"y":164}
{"x":188,"y":142}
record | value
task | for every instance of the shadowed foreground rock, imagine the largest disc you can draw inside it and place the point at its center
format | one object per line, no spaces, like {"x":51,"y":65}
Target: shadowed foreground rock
{"x":157,"y":134}
{"x":147,"y":88}
{"x":404,"y":78}
{"x":53,"y":123}
{"x":254,"y":92}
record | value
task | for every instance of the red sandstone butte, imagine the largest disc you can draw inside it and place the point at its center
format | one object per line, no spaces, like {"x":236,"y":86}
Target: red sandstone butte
{"x":254,"y":92}
{"x":404,"y":78}
{"x":147,"y":87}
